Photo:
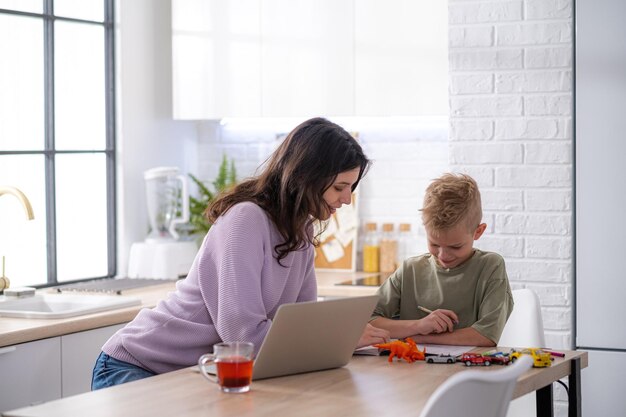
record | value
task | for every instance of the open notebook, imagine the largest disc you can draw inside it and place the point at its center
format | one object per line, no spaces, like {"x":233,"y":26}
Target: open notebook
{"x":430,"y":350}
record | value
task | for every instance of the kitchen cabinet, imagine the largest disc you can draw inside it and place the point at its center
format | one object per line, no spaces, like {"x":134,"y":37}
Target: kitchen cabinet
{"x":216,"y":59}
{"x":48,"y":369}
{"x":600,"y":96}
{"x":30,"y":373}
{"x":301,"y":58}
{"x":78,"y":355}
{"x":307,"y":58}
{"x":601,"y":384}
{"x":400,"y":58}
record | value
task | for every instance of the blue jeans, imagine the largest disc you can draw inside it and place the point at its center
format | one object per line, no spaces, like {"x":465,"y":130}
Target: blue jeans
{"x":109,"y":371}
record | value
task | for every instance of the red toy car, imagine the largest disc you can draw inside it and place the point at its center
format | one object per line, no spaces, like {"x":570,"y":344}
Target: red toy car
{"x":499,"y":358}
{"x":470,"y":359}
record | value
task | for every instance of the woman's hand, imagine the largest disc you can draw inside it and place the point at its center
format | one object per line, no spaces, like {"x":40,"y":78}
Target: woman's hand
{"x":439,"y":321}
{"x":372,"y":335}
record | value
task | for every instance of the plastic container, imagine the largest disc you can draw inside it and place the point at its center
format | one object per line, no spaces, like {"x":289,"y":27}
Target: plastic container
{"x":371,"y":249}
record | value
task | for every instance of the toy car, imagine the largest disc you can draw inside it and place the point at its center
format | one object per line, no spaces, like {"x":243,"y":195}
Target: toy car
{"x":500,"y":358}
{"x":470,"y":359}
{"x":541,"y":359}
{"x":440,"y":359}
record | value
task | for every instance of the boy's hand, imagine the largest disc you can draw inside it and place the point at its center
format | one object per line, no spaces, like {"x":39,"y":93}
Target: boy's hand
{"x":439,"y":321}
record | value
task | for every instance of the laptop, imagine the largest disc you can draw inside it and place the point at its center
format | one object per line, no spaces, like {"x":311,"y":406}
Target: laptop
{"x":313,"y":336}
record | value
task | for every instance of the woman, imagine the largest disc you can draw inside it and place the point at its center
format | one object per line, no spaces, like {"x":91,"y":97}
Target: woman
{"x":258,"y":255}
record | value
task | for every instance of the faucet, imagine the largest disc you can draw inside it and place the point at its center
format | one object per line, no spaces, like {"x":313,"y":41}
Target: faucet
{"x":4,"y":189}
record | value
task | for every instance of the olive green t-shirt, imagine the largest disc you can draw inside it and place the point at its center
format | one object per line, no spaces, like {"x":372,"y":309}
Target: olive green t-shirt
{"x":477,"y":291}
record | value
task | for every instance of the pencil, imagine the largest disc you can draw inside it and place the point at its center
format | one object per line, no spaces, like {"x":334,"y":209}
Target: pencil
{"x":429,"y":311}
{"x":424,"y":309}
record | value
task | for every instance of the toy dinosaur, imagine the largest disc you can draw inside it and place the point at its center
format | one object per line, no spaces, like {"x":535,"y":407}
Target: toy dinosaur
{"x":403,"y":350}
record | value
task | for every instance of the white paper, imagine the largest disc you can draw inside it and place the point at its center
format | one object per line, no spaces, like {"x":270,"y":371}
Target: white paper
{"x":333,"y":250}
{"x":345,"y":237}
{"x":346,"y":217}
{"x":451,"y":350}
{"x":367,"y":350}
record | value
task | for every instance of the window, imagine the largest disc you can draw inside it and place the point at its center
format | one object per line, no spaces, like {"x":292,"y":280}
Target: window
{"x":57,"y":140}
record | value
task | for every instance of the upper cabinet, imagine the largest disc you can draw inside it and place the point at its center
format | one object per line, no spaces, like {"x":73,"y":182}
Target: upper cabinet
{"x":301,"y":58}
{"x":307,"y":58}
{"x":401,"y":57}
{"x":216,"y":58}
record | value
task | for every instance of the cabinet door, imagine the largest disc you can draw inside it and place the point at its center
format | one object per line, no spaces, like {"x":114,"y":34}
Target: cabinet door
{"x":79,"y":353}
{"x":216,"y":59}
{"x":401,"y":57}
{"x":30,"y":373}
{"x":307,"y":58}
{"x":602,"y":392}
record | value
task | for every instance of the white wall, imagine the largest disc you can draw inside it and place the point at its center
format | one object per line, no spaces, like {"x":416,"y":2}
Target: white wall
{"x":511,"y":128}
{"x":146,"y":134}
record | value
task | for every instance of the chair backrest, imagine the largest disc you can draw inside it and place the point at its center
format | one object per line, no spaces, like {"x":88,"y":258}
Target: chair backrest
{"x":476,"y":393}
{"x":525,"y":325}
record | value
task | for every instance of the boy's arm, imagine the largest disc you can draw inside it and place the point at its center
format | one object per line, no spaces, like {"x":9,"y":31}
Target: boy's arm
{"x":460,"y":337}
{"x":439,"y":321}
{"x":397,"y":329}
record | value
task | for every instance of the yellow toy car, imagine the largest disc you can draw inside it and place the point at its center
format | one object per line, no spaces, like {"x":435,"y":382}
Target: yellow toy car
{"x":541,"y":359}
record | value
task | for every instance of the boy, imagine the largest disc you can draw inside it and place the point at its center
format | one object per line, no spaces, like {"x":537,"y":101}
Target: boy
{"x":455,"y":294}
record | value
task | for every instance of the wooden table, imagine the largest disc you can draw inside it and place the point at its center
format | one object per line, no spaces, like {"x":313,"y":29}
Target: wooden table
{"x":367,"y":386}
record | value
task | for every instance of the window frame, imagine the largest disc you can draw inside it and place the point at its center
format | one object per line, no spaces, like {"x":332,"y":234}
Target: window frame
{"x":49,"y":152}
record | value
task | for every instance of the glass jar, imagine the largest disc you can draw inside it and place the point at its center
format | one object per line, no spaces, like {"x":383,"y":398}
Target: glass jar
{"x":371,"y":249}
{"x":388,"y":249}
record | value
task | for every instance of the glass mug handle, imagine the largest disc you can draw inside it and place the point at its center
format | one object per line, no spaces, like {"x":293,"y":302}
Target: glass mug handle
{"x":205,"y":360}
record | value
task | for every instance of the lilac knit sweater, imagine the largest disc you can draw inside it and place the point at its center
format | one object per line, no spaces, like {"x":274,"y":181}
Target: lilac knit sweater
{"x":232,"y":292}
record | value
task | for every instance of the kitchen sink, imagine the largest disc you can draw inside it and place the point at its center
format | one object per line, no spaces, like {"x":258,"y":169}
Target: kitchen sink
{"x":58,"y":306}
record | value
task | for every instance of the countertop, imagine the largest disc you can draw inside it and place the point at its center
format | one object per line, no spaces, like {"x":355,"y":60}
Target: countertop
{"x":19,"y":330}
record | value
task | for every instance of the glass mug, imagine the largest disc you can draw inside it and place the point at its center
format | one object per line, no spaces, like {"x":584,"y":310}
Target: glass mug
{"x":233,"y":361}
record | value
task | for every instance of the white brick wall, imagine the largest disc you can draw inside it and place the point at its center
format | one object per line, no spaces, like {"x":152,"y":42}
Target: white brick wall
{"x":511,"y":117}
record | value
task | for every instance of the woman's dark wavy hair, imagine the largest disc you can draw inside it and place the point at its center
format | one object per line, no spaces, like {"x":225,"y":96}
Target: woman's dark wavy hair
{"x":294,"y":179}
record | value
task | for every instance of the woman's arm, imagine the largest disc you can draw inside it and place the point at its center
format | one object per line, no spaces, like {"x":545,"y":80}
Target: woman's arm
{"x":308,"y":292}
{"x":230,"y":274}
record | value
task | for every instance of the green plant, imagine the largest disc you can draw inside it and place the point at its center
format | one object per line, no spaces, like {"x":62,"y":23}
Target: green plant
{"x":226,"y":178}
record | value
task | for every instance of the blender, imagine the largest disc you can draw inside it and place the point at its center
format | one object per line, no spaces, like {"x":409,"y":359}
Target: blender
{"x":163,"y":254}
{"x":166,"y":190}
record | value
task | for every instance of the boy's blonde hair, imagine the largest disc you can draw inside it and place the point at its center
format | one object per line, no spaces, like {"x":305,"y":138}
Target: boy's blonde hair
{"x":450,"y":200}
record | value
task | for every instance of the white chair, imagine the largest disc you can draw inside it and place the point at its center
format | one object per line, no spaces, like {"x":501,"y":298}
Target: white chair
{"x":524,"y":329}
{"x":476,"y":393}
{"x":525,"y":325}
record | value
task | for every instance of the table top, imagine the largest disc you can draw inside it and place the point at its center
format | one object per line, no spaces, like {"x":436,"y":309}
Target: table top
{"x":367,"y":386}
